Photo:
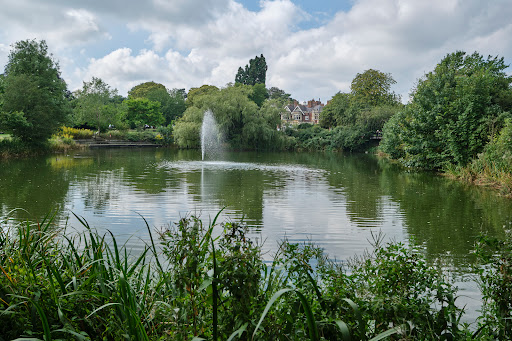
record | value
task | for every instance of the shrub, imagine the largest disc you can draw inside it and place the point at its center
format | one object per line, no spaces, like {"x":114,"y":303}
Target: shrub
{"x":164,"y":135}
{"x":495,"y":275}
{"x":76,"y":133}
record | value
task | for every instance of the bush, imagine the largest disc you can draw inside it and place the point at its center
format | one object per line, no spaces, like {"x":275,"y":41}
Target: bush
{"x":394,"y":285}
{"x":15,"y":147}
{"x":75,"y":133}
{"x":493,"y":166}
{"x":164,"y":135}
{"x":495,"y":274}
{"x":61,"y":142}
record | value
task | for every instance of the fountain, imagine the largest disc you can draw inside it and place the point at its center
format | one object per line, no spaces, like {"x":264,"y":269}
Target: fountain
{"x":211,"y":142}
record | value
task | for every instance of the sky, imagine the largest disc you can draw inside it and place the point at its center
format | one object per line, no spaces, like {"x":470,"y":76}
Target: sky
{"x":313,"y":49}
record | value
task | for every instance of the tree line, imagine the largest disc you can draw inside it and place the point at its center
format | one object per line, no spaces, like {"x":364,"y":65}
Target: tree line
{"x":457,"y":118}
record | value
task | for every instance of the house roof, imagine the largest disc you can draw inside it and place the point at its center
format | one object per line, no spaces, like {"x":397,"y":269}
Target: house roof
{"x":290,"y":107}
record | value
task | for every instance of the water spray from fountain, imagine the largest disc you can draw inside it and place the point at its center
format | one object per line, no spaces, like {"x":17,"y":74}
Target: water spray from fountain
{"x":211,"y":142}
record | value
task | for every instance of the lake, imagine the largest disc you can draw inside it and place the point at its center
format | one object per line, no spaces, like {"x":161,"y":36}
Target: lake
{"x":338,"y":201}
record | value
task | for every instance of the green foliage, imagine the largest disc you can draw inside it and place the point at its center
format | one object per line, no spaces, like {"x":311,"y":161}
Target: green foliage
{"x":172,"y":102}
{"x":141,"y":136}
{"x":142,"y":111}
{"x":176,"y":106}
{"x":276,"y":93}
{"x":357,"y":116}
{"x":13,"y":146}
{"x":373,"y":88}
{"x":259,"y":94}
{"x":34,"y":94}
{"x":164,"y":135}
{"x":394,"y":285}
{"x":495,"y":272}
{"x":336,"y":112}
{"x":198,"y":92}
{"x":455,"y":109}
{"x":241,"y":122}
{"x":143,"y":90}
{"x":254,"y":73}
{"x":202,"y":272}
{"x":492,"y":167}
{"x":93,"y":105}
{"x":188,"y":128}
{"x":210,"y":282}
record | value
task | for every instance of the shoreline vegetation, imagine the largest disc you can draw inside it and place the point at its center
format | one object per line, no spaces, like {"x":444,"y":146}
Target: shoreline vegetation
{"x":189,"y":285}
{"x":457,"y":120}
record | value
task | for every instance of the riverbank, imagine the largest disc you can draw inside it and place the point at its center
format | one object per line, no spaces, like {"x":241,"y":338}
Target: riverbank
{"x":57,"y":284}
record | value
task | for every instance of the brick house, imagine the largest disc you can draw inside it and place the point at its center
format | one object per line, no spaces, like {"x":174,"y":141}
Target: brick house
{"x":296,"y":113}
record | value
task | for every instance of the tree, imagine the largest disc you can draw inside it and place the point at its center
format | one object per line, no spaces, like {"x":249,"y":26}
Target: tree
{"x":177,"y":105}
{"x":142,"y":111}
{"x":259,"y":94}
{"x":276,"y":93}
{"x":93,"y":102}
{"x":454,"y":111}
{"x":373,"y":88}
{"x":35,"y":100}
{"x":142,"y":90}
{"x":337,"y":111}
{"x":254,"y":73}
{"x":172,"y":102}
{"x":241,"y":122}
{"x":197,"y":92}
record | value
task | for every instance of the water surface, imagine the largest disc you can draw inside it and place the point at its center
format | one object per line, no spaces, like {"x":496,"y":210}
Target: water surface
{"x":337,"y":201}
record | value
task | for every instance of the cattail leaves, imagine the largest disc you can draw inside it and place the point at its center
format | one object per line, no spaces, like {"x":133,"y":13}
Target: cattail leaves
{"x":211,"y":283}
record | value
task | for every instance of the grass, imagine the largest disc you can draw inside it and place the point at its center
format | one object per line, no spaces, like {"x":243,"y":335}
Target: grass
{"x":190,"y":285}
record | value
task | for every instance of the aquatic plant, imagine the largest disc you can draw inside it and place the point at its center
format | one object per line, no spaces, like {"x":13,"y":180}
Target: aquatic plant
{"x":210,"y":282}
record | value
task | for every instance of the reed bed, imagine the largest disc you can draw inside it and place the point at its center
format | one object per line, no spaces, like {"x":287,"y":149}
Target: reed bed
{"x":193,"y":284}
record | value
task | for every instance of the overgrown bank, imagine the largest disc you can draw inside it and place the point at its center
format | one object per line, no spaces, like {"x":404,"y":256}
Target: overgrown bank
{"x":55,"y":285}
{"x":458,"y":121}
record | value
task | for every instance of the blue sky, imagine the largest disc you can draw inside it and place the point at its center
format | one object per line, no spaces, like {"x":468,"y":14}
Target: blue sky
{"x":313,"y":48}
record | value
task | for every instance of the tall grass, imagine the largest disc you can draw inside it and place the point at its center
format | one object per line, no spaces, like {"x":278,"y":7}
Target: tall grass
{"x":209,"y":282}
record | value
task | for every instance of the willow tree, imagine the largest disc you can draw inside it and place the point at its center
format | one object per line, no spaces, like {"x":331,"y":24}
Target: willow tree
{"x":241,"y":121}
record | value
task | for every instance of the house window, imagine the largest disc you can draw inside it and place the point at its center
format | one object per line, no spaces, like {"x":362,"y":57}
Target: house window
{"x":306,"y":118}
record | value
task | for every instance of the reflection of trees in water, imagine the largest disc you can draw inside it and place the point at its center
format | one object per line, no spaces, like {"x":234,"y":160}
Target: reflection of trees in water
{"x":238,"y":190}
{"x":445,"y":216}
{"x":98,"y":191}
{"x":357,"y":176}
{"x":33,"y":185}
{"x":440,"y":214}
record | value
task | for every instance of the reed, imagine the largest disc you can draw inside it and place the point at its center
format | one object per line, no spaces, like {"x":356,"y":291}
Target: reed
{"x":208,"y":282}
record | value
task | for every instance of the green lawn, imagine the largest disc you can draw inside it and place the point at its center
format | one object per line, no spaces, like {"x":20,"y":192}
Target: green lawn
{"x":4,"y":136}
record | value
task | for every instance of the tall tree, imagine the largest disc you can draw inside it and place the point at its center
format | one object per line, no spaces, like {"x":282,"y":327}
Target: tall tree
{"x":91,"y":104}
{"x":177,"y":105}
{"x":455,"y":110}
{"x":373,"y":87}
{"x":144,"y":89}
{"x":254,"y":73}
{"x":35,"y":100}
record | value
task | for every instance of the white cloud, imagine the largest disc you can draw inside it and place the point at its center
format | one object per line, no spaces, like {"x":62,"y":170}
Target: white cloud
{"x":187,"y":43}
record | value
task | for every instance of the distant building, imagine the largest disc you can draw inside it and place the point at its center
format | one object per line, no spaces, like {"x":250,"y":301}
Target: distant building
{"x":296,"y":113}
